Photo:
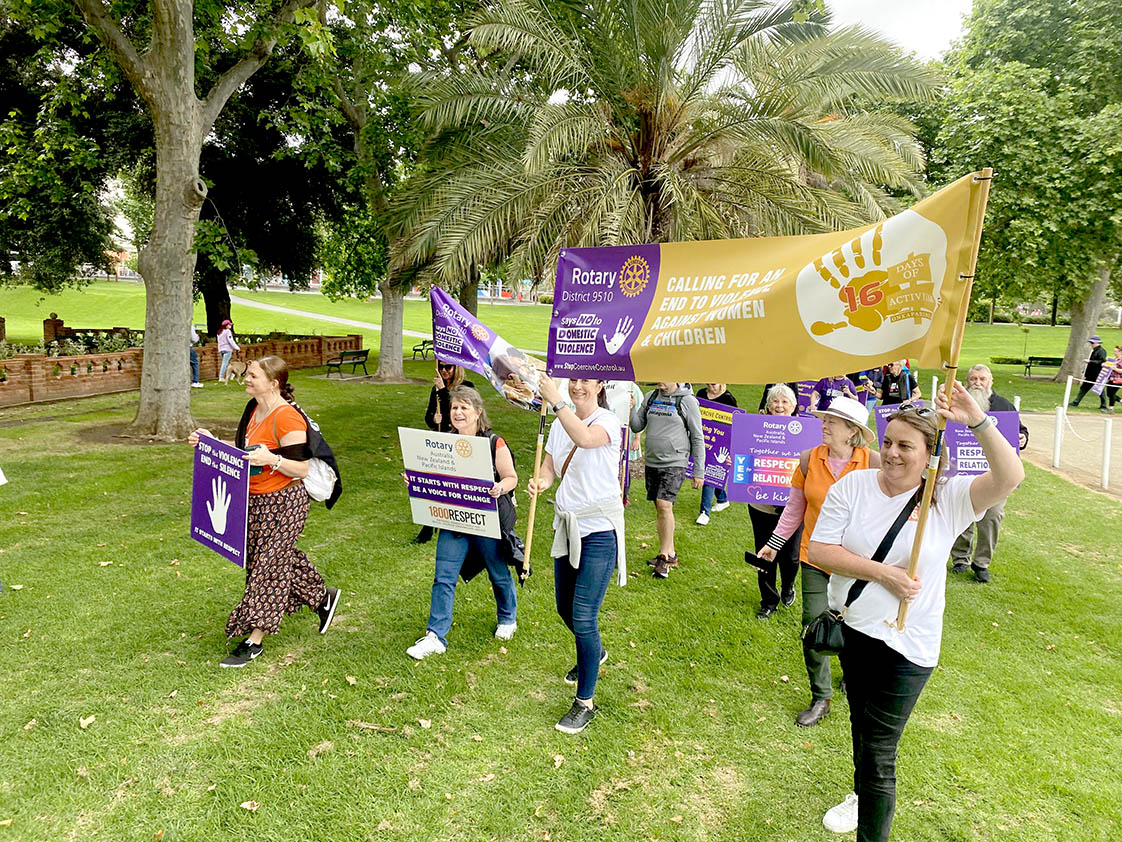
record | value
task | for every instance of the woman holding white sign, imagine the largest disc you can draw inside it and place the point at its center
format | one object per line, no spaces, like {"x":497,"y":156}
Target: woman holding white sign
{"x":279,"y":579}
{"x":886,"y":667}
{"x":454,"y":549}
{"x":588,"y":526}
{"x":845,"y":448}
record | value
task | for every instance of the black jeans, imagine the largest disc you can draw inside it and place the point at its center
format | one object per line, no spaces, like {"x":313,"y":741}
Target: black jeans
{"x":883,"y":687}
{"x":1084,"y":388}
{"x":787,"y":559}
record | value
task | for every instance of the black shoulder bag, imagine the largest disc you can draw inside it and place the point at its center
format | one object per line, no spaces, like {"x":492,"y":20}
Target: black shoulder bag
{"x":824,"y":634}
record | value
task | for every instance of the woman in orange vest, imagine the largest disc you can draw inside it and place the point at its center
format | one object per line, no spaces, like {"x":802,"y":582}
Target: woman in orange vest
{"x":845,"y":447}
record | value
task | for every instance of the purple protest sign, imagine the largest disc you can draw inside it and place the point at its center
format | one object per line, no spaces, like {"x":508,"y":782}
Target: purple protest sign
{"x":601,"y":298}
{"x":459,"y":337}
{"x":963,"y":449}
{"x":806,"y":389}
{"x":220,"y":498}
{"x":882,"y":413}
{"x":765,"y":450}
{"x":716,"y":425}
{"x":1104,"y":375}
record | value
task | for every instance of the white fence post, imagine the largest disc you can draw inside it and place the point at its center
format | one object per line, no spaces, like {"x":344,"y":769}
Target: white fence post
{"x":1108,"y":428}
{"x":1067,"y":393}
{"x":1059,"y":436}
{"x":1017,"y":402}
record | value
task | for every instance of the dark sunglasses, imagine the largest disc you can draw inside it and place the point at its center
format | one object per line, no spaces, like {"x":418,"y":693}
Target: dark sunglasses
{"x":917,"y":408}
{"x":444,"y":367}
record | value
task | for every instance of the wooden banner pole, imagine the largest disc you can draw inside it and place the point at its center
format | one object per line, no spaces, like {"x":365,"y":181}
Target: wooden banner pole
{"x":524,"y":573}
{"x":984,"y":178}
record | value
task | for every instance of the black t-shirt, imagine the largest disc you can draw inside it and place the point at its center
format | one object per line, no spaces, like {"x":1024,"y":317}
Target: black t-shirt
{"x":725,"y":397}
{"x":1098,"y":357}
{"x":897,"y":388}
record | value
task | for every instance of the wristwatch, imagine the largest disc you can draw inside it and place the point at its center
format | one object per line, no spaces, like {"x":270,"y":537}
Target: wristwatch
{"x":557,"y":406}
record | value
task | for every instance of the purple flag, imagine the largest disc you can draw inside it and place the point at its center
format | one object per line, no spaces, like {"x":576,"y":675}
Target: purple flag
{"x":765,"y":450}
{"x":220,"y":498}
{"x":963,"y":449}
{"x":459,"y":337}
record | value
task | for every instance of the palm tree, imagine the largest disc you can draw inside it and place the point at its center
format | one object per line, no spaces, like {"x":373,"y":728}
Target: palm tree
{"x":630,"y":121}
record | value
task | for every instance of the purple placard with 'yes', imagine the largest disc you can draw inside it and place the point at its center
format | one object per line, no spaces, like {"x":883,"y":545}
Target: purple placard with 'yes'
{"x":220,"y":498}
{"x":1104,"y":375}
{"x":600,"y":302}
{"x":765,"y":450}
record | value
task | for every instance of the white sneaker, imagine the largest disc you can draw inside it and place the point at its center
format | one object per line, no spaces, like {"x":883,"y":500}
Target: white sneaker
{"x":428,"y":645}
{"x":842,"y":818}
{"x":506,"y":631}
{"x":720,"y":507}
{"x":702,"y":519}
{"x":196,"y":385}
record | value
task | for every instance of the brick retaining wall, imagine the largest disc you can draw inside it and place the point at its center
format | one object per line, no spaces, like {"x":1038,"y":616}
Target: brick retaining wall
{"x":30,"y":378}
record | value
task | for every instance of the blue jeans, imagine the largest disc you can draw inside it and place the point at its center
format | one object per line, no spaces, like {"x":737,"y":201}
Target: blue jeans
{"x":194,"y":366}
{"x":225,"y":362}
{"x":580,"y":593}
{"x":707,"y":494}
{"x":451,"y":550}
{"x":883,"y":687}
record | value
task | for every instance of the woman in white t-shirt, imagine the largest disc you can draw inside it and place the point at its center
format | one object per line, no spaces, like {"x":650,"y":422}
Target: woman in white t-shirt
{"x":583,"y":452}
{"x":886,"y":668}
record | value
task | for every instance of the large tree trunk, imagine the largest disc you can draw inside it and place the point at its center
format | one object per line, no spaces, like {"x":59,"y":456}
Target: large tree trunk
{"x":1084,"y":320}
{"x":167,"y":264}
{"x":469,"y":291}
{"x":390,"y":367}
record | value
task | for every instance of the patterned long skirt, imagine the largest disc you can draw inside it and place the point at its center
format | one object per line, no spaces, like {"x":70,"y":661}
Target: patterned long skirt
{"x":279,"y":578}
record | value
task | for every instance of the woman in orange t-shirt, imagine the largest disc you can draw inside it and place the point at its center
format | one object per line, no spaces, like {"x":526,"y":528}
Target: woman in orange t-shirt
{"x":844,"y":448}
{"x":279,"y":578}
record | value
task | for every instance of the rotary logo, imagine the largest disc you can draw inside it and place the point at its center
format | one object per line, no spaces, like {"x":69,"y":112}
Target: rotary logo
{"x":795,"y":427}
{"x":879,"y":290}
{"x":634,"y":276}
{"x":463,"y":448}
{"x":480,"y":332}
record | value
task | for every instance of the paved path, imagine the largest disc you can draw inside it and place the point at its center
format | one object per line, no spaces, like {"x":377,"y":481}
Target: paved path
{"x":1082,"y":449}
{"x":245,"y":302}
{"x":339,"y":320}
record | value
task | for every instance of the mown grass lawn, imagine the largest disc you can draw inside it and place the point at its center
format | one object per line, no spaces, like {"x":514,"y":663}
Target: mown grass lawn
{"x":119,"y":616}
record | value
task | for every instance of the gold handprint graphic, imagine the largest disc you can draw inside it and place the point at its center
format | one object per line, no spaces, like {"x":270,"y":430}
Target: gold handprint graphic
{"x":872,"y":293}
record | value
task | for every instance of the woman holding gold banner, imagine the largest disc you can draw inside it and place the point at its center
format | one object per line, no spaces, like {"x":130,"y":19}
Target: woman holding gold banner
{"x":583,"y":452}
{"x":886,"y":667}
{"x":844,"y":449}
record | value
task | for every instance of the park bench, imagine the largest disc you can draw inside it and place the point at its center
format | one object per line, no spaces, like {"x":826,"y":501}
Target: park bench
{"x":1042,"y":362}
{"x":423,"y":347}
{"x":352,"y":358}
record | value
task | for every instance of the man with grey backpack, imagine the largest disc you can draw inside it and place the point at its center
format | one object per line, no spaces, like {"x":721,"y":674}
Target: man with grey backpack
{"x":672,"y":418}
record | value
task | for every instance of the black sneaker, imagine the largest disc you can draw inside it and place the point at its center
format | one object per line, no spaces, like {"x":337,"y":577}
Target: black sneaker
{"x":960,"y":567}
{"x":765,"y":612}
{"x":577,"y":719}
{"x":982,"y":574}
{"x":788,"y":597}
{"x":573,"y":675}
{"x":326,"y":609}
{"x":243,"y":653}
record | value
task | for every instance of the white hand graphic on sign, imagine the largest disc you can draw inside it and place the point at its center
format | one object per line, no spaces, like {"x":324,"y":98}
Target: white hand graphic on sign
{"x":220,"y":505}
{"x":623,"y":330}
{"x":722,"y":455}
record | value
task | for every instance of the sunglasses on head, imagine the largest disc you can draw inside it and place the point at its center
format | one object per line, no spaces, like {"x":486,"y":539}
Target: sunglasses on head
{"x":917,"y":408}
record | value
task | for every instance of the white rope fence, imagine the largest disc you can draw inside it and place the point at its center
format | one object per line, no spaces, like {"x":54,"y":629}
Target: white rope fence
{"x":1063,"y":424}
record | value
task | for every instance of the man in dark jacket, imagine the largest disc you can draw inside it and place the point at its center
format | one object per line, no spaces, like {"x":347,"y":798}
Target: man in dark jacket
{"x":979,"y":383}
{"x":1091,"y":372}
